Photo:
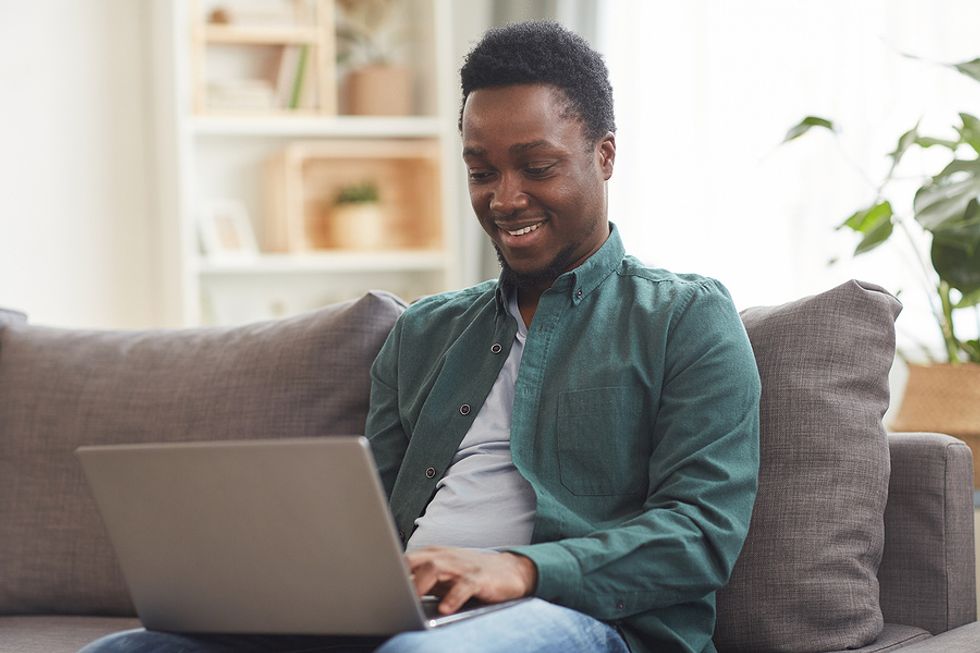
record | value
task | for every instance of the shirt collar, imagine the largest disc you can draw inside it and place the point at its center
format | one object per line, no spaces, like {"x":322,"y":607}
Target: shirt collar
{"x":585,"y":278}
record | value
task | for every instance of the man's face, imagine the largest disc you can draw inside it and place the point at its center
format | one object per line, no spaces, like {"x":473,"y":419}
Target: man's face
{"x":536,"y":184}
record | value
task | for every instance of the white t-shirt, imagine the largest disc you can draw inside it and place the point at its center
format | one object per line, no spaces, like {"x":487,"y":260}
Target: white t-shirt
{"x":483,"y":501}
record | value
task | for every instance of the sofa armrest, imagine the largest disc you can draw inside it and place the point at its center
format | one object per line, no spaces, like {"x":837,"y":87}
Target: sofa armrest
{"x":927,"y":574}
{"x":8,"y":316}
{"x":965,"y":639}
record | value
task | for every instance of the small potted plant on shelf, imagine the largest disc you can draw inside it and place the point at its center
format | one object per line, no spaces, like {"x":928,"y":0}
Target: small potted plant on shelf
{"x":356,"y":220}
{"x":944,"y":394}
{"x":368,"y":42}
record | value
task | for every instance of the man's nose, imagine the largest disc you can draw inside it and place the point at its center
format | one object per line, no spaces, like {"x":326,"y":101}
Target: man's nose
{"x":508,"y":197}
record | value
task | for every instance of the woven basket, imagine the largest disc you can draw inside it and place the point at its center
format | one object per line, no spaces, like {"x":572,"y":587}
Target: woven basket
{"x":943,"y":399}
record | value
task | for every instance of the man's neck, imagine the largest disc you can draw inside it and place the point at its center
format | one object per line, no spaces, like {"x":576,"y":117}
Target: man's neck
{"x":527,"y":301}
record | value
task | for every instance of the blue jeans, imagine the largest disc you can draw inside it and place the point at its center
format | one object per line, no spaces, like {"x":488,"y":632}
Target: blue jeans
{"x":533,"y":626}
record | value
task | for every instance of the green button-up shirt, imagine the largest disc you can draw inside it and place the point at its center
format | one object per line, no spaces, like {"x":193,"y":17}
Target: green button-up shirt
{"x":636,"y":421}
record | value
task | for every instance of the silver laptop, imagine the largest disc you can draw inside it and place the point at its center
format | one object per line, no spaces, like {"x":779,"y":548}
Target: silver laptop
{"x":261,"y":536}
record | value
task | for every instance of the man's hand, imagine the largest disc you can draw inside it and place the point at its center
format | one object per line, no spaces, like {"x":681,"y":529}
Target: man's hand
{"x":457,"y":575}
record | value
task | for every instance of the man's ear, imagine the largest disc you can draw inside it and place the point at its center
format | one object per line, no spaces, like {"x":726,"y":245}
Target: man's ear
{"x":606,"y":151}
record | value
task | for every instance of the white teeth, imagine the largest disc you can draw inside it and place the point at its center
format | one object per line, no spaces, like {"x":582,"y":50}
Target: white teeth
{"x":525,"y":230}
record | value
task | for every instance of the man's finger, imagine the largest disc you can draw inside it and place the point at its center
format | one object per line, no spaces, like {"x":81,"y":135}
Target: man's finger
{"x":461,"y":592}
{"x":421,"y":556}
{"x":424,"y":577}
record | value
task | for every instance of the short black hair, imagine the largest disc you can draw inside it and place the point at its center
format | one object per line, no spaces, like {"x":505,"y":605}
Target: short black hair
{"x":544,"y":52}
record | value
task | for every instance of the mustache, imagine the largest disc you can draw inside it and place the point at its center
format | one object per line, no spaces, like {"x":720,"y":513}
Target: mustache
{"x":514,"y":216}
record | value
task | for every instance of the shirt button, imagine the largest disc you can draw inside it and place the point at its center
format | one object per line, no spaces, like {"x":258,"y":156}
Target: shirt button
{"x":464,"y":410}
{"x":430,"y":472}
{"x":620,"y":605}
{"x":496,"y":348}
{"x":578,"y":293}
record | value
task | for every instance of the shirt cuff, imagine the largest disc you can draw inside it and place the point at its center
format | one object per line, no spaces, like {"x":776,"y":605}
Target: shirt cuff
{"x":559,"y":574}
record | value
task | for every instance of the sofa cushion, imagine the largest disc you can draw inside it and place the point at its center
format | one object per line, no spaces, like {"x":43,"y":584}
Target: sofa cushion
{"x":60,"y":389}
{"x":893,"y":637}
{"x":55,"y":634}
{"x":806,"y":579}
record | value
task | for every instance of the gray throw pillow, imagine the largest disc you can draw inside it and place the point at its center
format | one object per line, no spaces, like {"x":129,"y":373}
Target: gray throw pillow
{"x":806,"y":580}
{"x":60,"y":389}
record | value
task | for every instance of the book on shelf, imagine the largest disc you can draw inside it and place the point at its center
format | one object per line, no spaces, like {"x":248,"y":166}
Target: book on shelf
{"x":240,"y":94}
{"x":286,"y":75}
{"x":300,"y":79}
{"x":293,"y":83}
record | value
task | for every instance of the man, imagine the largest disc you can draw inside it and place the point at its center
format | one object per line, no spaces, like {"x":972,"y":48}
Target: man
{"x":585,"y":429}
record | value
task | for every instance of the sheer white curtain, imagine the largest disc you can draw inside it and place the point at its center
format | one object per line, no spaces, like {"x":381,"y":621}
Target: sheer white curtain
{"x":705,"y":91}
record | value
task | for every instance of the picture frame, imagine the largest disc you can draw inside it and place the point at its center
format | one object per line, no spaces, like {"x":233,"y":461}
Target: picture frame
{"x":225,"y":231}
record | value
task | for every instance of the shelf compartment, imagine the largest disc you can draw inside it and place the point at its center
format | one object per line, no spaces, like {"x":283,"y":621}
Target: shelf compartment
{"x":255,"y":65}
{"x":305,"y":178}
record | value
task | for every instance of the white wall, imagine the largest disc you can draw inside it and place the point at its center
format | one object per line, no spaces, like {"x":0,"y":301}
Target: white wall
{"x":705,"y":92}
{"x":75,"y":239}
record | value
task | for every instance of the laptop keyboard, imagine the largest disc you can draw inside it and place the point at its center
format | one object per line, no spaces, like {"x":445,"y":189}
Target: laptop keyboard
{"x":430,"y":607}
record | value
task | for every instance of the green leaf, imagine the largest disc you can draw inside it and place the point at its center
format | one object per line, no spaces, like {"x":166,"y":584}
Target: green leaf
{"x":905,"y":141}
{"x":968,"y":300}
{"x":956,"y":267}
{"x":970,"y":131}
{"x":969,"y":68}
{"x":972,"y":349}
{"x":875,"y":223}
{"x":963,"y":232}
{"x":805,"y":125}
{"x":946,"y":197}
{"x":928,"y":141}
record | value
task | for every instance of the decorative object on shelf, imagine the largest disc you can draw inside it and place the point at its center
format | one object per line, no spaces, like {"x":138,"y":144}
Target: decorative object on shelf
{"x":368,"y":45}
{"x":226,"y":232}
{"x":357,"y":219}
{"x":219,"y":16}
{"x":286,"y":14}
{"x":379,"y":90}
{"x":941,"y":397}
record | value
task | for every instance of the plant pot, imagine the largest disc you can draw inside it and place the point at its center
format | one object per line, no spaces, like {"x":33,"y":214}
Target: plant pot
{"x":357,"y":226}
{"x":379,"y":90}
{"x":944,"y":399}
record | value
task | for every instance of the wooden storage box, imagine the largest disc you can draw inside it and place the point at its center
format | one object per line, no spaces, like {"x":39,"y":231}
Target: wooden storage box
{"x":305,"y":179}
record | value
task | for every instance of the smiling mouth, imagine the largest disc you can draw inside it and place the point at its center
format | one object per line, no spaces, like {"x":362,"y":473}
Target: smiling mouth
{"x":523,"y":230}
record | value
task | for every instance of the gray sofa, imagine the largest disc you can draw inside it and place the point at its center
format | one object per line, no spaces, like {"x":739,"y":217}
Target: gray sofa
{"x":859,"y":541}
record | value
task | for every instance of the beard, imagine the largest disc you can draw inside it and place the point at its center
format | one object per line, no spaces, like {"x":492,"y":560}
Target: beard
{"x":541,"y":278}
{"x":544,"y":277}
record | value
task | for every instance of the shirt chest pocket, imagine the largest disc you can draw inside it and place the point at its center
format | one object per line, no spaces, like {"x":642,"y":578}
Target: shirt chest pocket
{"x":603,"y":447}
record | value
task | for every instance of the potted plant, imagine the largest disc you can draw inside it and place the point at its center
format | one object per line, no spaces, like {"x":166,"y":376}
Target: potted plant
{"x":356,"y":219}
{"x":945,"y":394}
{"x":368,"y":41}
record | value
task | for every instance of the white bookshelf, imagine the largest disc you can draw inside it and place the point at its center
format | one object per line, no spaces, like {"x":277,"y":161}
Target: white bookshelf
{"x":209,"y":156}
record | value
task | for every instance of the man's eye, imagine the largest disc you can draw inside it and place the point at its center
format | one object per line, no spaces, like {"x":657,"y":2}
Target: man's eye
{"x":537,"y":171}
{"x":479,"y":175}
